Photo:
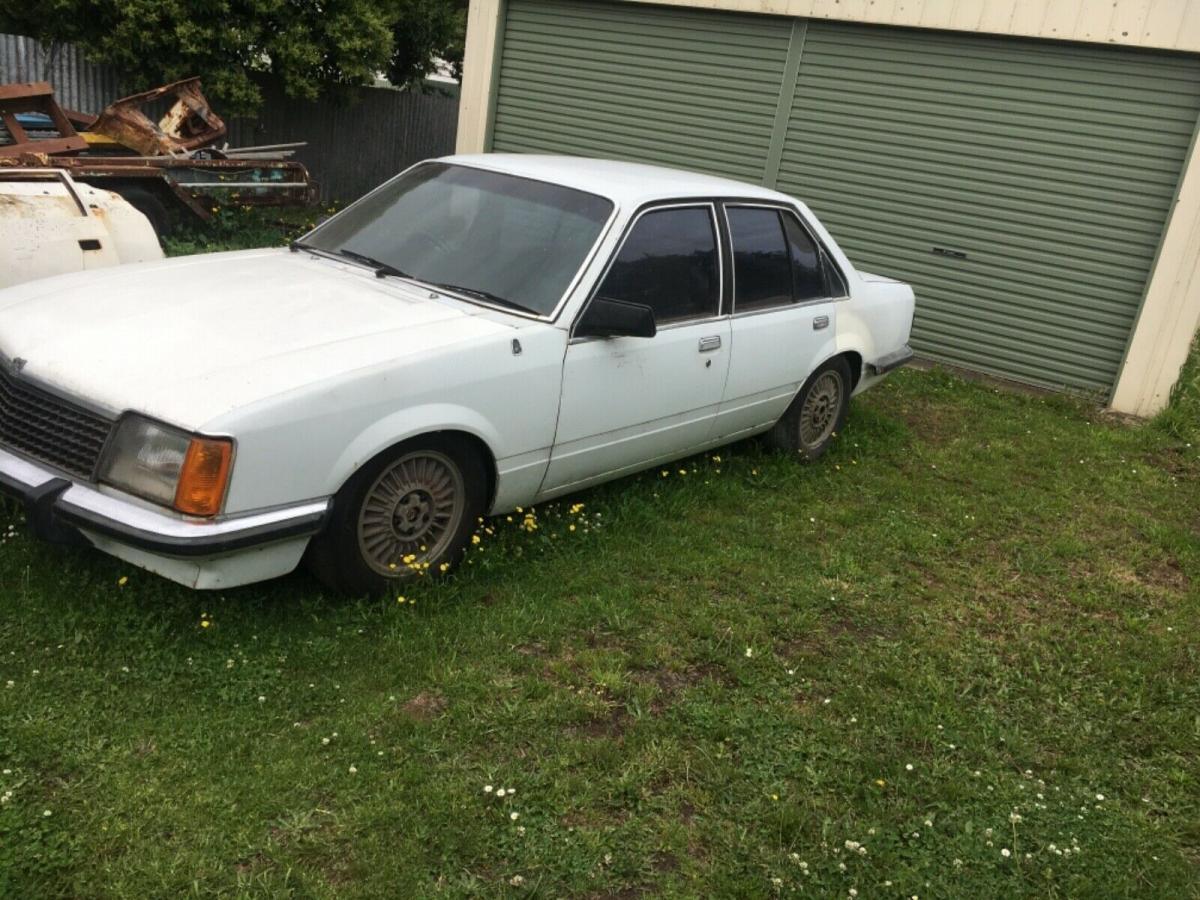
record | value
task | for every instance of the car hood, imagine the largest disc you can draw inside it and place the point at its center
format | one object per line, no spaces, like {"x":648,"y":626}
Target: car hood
{"x":188,"y":339}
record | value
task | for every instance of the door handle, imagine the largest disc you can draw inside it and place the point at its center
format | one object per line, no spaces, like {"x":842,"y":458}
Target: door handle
{"x":711,"y":343}
{"x":820,"y":322}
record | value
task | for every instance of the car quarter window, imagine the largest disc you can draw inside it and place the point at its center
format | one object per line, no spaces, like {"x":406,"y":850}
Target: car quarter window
{"x":669,"y":262}
{"x":812,"y":274}
{"x":762,"y":273}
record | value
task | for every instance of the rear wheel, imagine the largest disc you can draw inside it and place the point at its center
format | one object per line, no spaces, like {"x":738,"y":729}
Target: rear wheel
{"x":817,"y":414}
{"x":149,"y":205}
{"x":408,"y":512}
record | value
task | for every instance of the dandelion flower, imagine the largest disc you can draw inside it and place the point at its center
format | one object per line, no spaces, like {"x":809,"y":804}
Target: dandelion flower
{"x":204,"y":623}
{"x":121,"y":582}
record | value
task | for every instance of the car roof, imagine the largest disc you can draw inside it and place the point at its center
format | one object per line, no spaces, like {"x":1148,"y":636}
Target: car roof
{"x":629,"y":184}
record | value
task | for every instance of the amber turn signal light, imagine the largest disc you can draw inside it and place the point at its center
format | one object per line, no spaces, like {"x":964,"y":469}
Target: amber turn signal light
{"x":204,"y":475}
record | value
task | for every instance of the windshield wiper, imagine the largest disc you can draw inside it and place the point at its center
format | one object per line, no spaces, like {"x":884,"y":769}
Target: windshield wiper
{"x":381,"y":268}
{"x":485,"y":295}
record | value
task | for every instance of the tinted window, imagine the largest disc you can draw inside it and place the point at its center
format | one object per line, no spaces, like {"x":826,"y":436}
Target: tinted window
{"x":669,"y":263}
{"x":519,"y":239}
{"x":762,"y":275}
{"x":807,"y":277}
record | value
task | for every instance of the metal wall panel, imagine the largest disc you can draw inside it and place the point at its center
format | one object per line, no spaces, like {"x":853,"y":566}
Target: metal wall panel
{"x":78,"y":84}
{"x":1052,"y":167}
{"x":356,"y":145}
{"x":683,"y":88}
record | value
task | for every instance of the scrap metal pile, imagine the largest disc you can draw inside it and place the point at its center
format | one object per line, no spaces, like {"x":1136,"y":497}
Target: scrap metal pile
{"x":167,"y":168}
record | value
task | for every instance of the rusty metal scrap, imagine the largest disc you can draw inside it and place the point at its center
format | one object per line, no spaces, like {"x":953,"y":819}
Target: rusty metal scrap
{"x":189,"y":124}
{"x":36,"y":97}
{"x":123,"y":147}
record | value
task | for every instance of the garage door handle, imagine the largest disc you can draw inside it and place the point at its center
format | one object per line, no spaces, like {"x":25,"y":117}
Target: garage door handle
{"x":709,"y":344}
{"x":820,"y":322}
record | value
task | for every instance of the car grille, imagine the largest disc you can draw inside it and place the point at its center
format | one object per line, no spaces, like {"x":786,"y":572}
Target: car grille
{"x":39,"y":424}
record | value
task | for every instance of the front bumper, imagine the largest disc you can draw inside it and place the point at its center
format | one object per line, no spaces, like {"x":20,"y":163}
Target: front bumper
{"x":66,"y":511}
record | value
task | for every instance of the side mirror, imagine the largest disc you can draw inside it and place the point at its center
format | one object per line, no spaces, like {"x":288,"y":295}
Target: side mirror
{"x":606,"y":317}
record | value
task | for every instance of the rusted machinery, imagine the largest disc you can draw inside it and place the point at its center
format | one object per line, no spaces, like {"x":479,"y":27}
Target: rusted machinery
{"x":157,"y":149}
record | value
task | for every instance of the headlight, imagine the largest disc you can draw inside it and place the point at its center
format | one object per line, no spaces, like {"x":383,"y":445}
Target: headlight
{"x":168,"y":466}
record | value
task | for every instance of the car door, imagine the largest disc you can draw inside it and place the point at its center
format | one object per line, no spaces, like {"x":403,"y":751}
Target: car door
{"x":784,"y":314}
{"x":630,"y":402}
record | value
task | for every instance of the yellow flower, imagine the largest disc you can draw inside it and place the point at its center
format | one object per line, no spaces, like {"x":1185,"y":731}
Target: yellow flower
{"x":880,"y":782}
{"x":570,"y":528}
{"x":474,"y":539}
{"x":774,"y":796}
{"x":400,"y":599}
{"x":204,"y":623}
{"x":122,"y":581}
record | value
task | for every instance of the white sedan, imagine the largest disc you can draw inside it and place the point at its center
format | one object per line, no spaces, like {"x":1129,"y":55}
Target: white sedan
{"x":477,"y":334}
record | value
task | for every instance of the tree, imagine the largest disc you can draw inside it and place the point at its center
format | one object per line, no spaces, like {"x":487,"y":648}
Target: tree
{"x":310,"y":47}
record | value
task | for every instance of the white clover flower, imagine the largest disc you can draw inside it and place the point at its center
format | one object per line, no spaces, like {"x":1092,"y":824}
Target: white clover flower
{"x":749,"y":652}
{"x":353,"y":770}
{"x":1005,"y":852}
{"x":908,"y":767}
{"x":1014,"y":817}
{"x":487,"y":788}
{"x":500,"y":793}
{"x":929,"y":823}
{"x":1100,"y":797}
{"x":46,"y":813}
{"x":514,"y":816}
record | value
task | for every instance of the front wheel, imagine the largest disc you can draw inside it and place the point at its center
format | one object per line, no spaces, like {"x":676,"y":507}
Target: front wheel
{"x":410,"y":511}
{"x":817,"y":414}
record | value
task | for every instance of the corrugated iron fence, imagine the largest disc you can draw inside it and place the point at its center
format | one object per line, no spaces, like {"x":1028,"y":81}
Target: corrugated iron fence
{"x":78,"y":84}
{"x":352,"y":147}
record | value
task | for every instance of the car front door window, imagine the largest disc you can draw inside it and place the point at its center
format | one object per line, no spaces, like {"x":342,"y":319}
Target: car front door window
{"x":669,"y":262}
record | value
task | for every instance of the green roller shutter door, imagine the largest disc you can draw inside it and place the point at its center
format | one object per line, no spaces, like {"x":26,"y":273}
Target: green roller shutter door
{"x":676,"y":87}
{"x":1052,"y":167}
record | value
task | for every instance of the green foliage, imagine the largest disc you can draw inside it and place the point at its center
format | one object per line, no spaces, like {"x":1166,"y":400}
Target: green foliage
{"x":1182,"y":417}
{"x":310,"y":48}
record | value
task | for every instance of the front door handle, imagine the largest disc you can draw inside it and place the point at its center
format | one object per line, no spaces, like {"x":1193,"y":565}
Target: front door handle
{"x":711,"y":343}
{"x":820,"y":322}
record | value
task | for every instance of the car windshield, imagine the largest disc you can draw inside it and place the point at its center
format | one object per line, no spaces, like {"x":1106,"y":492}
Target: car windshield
{"x":508,"y":240}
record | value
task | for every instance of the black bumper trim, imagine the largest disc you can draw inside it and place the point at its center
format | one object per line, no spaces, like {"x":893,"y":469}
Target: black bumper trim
{"x":211,"y":545}
{"x":53,"y":518}
{"x":892,"y":361}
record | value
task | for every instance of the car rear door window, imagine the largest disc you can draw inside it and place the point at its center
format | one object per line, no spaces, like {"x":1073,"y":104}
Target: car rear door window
{"x":808,"y":276}
{"x":669,"y":262}
{"x":762,"y":273}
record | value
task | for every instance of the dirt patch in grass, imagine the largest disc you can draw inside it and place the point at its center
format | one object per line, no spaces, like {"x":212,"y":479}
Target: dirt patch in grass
{"x":425,"y":706}
{"x":610,"y":725}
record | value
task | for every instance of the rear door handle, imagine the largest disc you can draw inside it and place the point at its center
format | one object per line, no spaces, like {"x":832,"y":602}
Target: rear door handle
{"x":711,"y":343}
{"x":820,"y":322}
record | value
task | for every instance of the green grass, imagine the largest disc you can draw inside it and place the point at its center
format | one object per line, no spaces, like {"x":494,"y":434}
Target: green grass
{"x":1181,"y":419}
{"x":720,"y":677}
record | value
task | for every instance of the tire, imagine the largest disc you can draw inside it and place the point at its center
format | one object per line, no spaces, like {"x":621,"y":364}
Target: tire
{"x":817,"y":414}
{"x":151,"y":206}
{"x":389,"y":510}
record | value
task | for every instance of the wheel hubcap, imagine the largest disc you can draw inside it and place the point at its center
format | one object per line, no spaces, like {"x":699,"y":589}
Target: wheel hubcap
{"x":411,"y":513}
{"x":819,"y":414}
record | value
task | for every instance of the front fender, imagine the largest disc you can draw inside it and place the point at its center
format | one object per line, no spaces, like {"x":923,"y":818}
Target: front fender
{"x":403,"y":425}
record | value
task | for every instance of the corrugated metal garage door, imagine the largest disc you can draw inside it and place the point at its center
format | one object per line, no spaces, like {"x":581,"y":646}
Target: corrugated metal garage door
{"x":1051,"y":167}
{"x":1042,"y":172}
{"x":684,"y":88}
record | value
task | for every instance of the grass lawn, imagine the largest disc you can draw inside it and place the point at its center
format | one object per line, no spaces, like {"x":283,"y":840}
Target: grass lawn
{"x":957,"y":658}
